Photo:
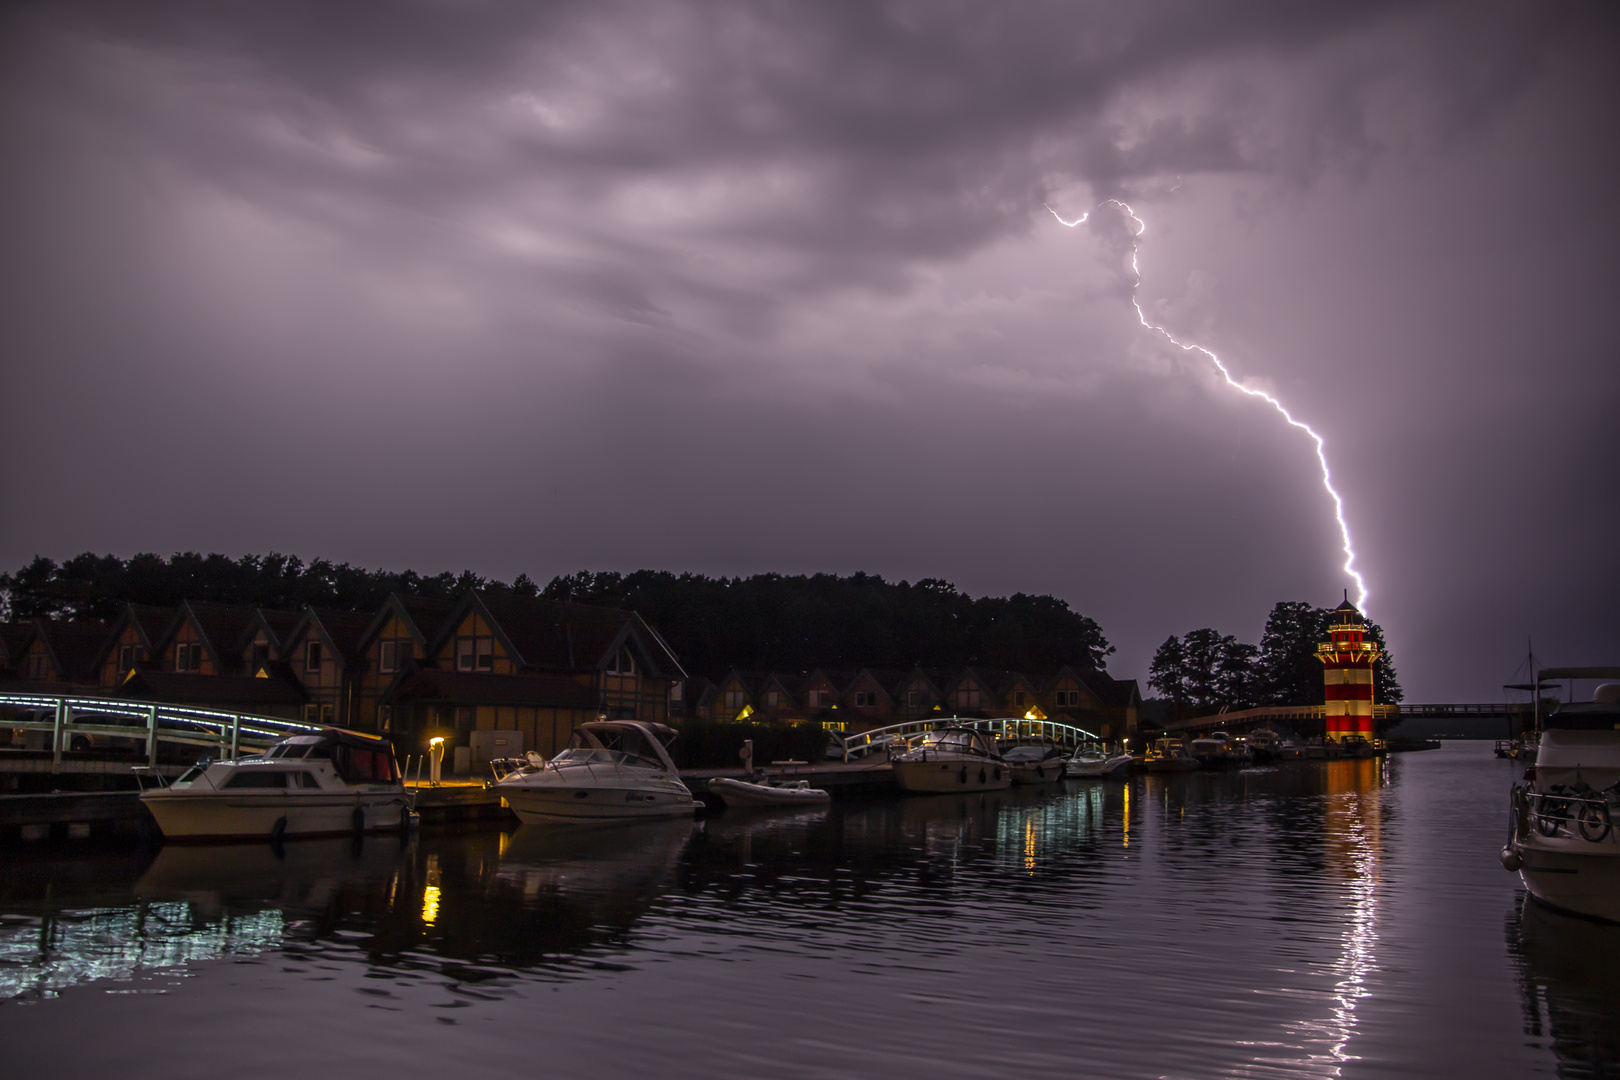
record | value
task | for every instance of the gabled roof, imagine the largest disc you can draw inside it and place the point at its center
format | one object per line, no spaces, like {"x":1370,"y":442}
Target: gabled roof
{"x":340,"y":631}
{"x":228,"y":691}
{"x":423,"y":617}
{"x":224,"y":629}
{"x":276,"y":624}
{"x":75,"y":647}
{"x":551,"y":635}
{"x":838,"y":679}
{"x":1120,"y":692}
{"x":149,"y":623}
{"x":882,"y":678}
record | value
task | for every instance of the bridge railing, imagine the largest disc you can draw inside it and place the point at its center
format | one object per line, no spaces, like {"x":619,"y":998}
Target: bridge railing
{"x":68,"y":717}
{"x":1067,"y":736}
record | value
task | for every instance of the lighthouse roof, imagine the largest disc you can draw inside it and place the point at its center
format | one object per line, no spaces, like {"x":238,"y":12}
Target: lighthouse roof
{"x":1347,"y":605}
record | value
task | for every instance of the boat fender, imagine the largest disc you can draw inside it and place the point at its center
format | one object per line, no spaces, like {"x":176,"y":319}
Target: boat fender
{"x":962,"y":776}
{"x":279,"y":829}
{"x":1510,"y":859}
{"x":998,"y":772}
{"x":359,"y":820}
{"x":982,"y":776}
{"x":404,"y":819}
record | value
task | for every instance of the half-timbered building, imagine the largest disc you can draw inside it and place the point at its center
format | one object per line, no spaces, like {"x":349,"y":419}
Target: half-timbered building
{"x":323,"y":650}
{"x":133,"y":641}
{"x":535,"y":667}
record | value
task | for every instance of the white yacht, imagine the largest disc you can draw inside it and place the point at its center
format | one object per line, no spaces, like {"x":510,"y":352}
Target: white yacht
{"x":1563,"y":843}
{"x":329,"y":784}
{"x":1035,"y":763}
{"x":613,"y":770}
{"x":952,"y":759}
{"x":1093,"y":761}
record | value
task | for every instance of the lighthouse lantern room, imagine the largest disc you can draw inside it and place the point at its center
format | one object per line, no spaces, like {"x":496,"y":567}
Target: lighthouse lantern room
{"x":1347,"y":674}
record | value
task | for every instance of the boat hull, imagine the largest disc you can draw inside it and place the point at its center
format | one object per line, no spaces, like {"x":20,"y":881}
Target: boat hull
{"x":743,"y":793}
{"x":1171,"y":765}
{"x":1044,"y":772}
{"x":1576,"y":882}
{"x":555,"y":804}
{"x":203,"y":816}
{"x":941,"y":774}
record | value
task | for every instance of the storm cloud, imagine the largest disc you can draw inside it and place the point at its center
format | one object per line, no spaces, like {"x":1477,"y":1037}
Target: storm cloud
{"x":745,"y":287}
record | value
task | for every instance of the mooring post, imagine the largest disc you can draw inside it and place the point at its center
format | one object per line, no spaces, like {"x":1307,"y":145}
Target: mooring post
{"x":236,"y":733}
{"x":151,"y":736}
{"x":56,"y":734}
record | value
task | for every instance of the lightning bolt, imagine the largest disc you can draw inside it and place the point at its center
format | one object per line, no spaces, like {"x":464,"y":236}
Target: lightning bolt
{"x":1138,"y":227}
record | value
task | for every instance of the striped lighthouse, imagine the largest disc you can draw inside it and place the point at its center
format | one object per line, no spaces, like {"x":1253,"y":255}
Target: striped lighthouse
{"x":1347,"y":674}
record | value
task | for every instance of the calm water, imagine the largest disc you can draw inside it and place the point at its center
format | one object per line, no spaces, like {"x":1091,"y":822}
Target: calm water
{"x":1314,"y":920}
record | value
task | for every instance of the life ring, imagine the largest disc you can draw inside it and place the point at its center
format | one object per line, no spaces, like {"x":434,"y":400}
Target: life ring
{"x":1593,"y":821}
{"x":998,"y":772}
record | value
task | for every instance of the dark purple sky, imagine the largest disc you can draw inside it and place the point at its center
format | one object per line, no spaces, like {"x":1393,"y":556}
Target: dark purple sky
{"x":743,"y":287}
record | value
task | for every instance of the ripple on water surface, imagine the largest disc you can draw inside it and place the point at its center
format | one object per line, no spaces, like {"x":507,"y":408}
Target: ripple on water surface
{"x":1312,"y":920}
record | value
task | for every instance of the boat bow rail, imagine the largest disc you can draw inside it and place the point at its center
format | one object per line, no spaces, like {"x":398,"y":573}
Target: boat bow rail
{"x":1067,"y":736}
{"x":150,"y":722}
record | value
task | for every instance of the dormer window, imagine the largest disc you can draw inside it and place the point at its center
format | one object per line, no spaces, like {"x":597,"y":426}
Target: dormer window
{"x":623,"y":664}
{"x":188,"y":656}
{"x":312,"y":657}
{"x":475,"y":654}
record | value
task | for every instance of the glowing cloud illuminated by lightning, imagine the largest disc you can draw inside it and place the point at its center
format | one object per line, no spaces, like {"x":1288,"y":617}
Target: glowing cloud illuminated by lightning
{"x":1138,"y":227}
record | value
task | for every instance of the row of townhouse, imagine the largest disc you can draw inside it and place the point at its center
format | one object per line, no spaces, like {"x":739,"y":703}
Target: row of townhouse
{"x":414,"y":669}
{"x":857,"y":701}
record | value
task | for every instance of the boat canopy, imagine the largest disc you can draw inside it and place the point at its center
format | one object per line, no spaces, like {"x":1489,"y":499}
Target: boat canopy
{"x":1585,"y":716}
{"x":358,"y":758}
{"x":960,"y":740}
{"x":619,"y":742}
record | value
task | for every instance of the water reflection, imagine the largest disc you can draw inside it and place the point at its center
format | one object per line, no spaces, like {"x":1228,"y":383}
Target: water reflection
{"x":1567,"y":979}
{"x":1189,"y":925}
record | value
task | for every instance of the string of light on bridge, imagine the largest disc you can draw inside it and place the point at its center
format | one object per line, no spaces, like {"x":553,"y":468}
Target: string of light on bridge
{"x":1138,"y":227}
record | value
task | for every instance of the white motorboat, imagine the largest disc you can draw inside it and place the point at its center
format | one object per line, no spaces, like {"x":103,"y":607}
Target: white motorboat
{"x":1093,"y":761}
{"x":612,"y":770}
{"x":954,"y":759}
{"x":1035,"y":764}
{"x":761,"y":792}
{"x":330,"y":784}
{"x":1562,"y":842}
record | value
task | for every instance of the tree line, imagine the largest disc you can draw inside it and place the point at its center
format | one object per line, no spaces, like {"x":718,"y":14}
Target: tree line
{"x":768,"y":621}
{"x":1203,"y":670}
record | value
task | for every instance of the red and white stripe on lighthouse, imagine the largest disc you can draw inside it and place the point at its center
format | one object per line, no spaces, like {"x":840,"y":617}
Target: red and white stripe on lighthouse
{"x":1347,"y":674}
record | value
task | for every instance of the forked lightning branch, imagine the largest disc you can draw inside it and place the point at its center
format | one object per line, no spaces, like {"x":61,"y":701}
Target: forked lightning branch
{"x":1138,"y":227}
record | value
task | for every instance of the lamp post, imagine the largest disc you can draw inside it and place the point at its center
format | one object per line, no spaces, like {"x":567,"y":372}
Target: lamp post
{"x":435,"y":760}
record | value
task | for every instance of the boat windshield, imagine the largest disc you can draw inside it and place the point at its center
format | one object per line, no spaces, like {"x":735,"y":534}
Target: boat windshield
{"x":956,"y":741}
{"x":618,"y":746}
{"x":1026,"y":753}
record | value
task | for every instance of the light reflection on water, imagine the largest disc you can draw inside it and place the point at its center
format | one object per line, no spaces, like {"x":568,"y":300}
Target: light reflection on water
{"x":1315,"y":920}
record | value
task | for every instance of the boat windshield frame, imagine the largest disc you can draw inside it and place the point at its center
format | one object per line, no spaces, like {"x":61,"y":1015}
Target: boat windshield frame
{"x":958,"y":740}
